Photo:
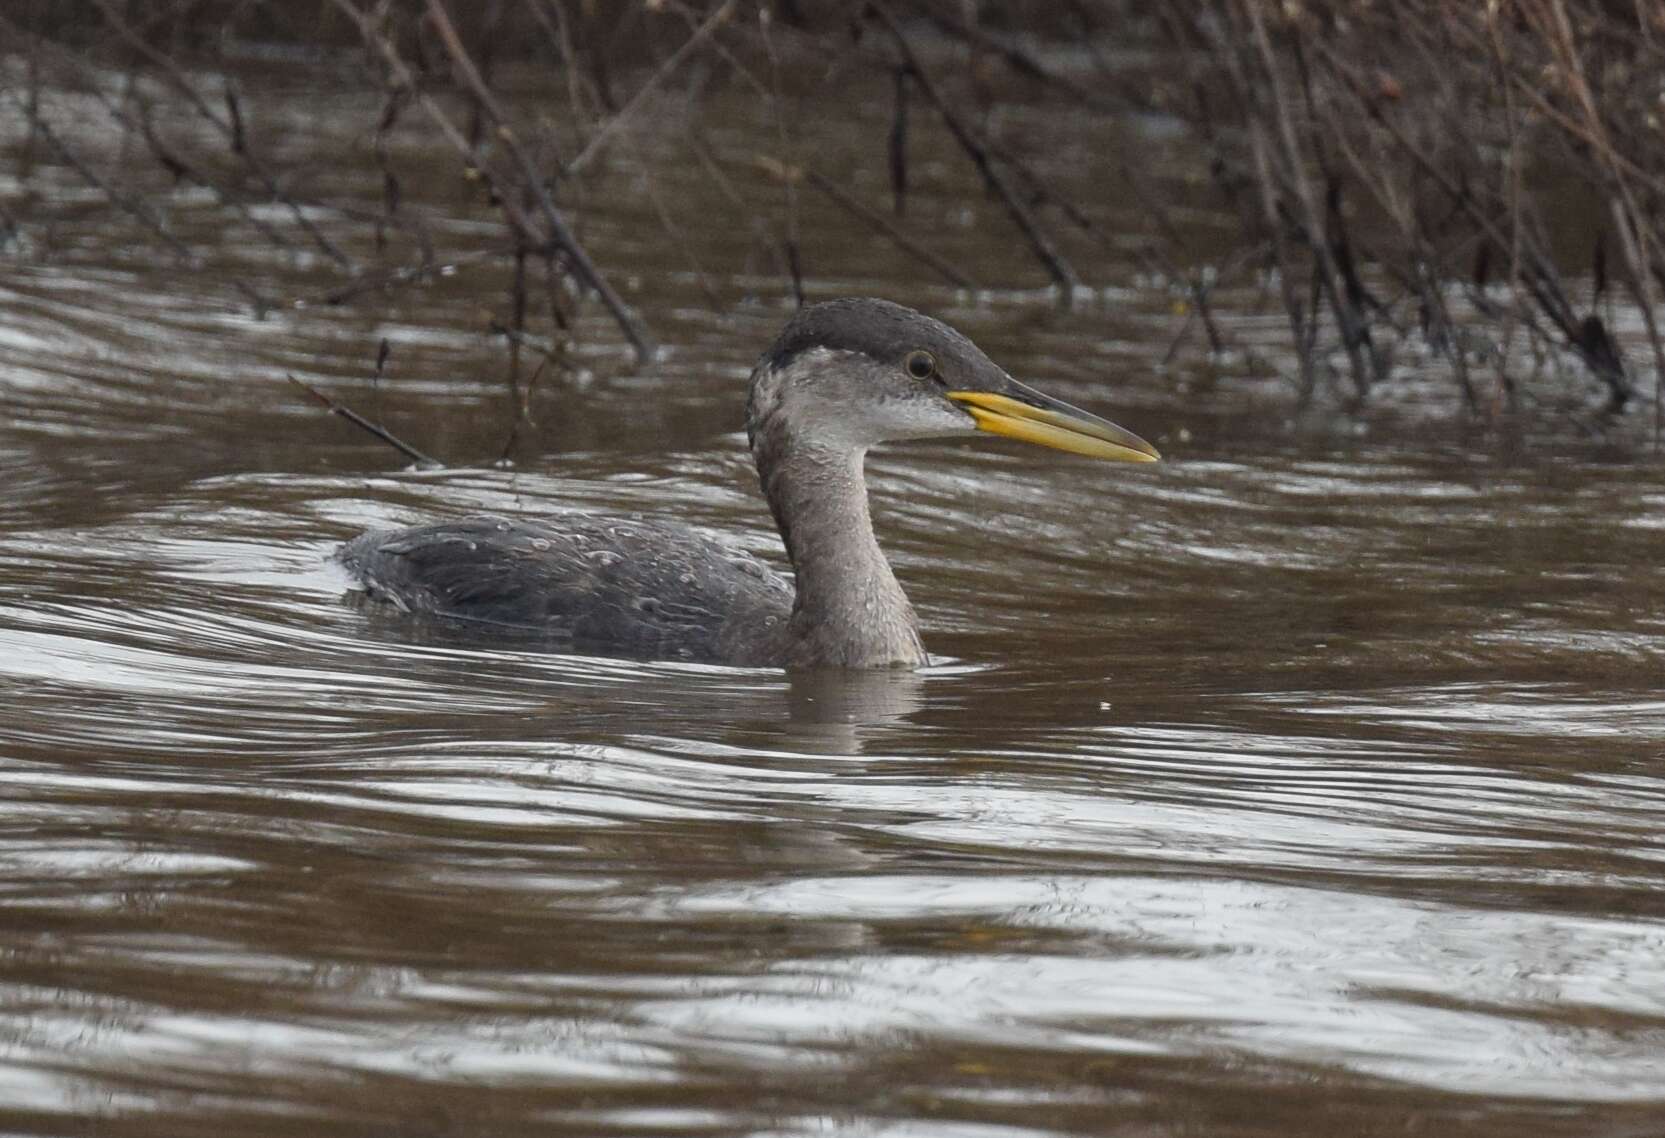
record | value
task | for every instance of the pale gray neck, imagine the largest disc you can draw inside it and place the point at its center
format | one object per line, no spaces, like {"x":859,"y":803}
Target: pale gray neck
{"x":850,"y":609}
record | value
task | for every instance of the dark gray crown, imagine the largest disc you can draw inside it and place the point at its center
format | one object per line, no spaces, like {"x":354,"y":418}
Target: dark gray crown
{"x":876,"y":328}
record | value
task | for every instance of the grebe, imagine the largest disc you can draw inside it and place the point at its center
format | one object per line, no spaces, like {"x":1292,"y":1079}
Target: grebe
{"x":842,"y":376}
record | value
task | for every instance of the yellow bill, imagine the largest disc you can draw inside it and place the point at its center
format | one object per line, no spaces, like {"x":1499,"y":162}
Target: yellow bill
{"x":1036,"y":418}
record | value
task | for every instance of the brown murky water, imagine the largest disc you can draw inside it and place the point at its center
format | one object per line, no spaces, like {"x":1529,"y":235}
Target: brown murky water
{"x":1301,"y":785}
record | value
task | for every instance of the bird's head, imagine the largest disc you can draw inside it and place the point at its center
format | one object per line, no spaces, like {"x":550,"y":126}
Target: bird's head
{"x":852,"y":373}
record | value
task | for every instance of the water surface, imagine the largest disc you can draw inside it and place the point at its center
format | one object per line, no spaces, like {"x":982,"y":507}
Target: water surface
{"x":1308,"y":783}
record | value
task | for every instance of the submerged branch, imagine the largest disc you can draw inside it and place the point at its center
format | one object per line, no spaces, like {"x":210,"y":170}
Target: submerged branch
{"x":364,"y":424}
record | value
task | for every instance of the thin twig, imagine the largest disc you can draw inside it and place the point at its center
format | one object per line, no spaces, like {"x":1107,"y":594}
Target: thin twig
{"x":789,"y":186}
{"x":1063,"y":275}
{"x":628,"y":112}
{"x":361,"y":422}
{"x":846,"y":201}
{"x":137,"y":209}
{"x":631,"y":325}
{"x":231,"y":130}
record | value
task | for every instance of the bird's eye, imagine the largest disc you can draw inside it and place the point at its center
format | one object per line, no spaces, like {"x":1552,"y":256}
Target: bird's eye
{"x":921,"y":365}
